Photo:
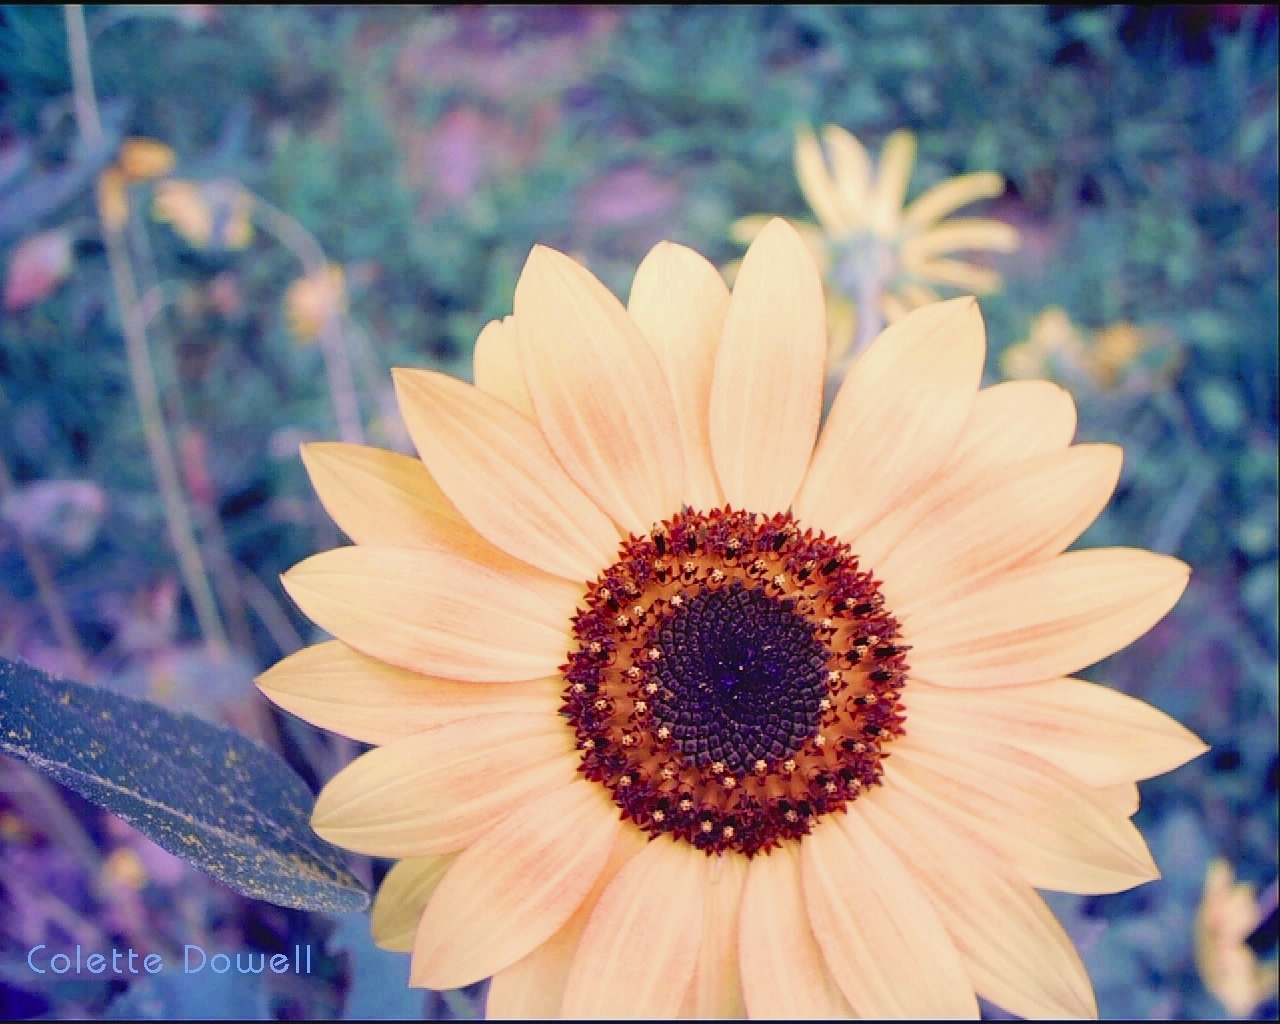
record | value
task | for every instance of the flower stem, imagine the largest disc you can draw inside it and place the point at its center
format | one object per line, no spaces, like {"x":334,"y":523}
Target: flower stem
{"x":177,"y":516}
{"x":47,"y":590}
{"x":337,"y":364}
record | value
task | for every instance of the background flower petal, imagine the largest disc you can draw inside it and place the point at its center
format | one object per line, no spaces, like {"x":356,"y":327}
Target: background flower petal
{"x":401,"y":898}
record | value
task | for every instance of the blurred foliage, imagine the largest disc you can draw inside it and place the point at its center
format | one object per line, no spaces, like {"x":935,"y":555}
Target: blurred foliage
{"x":427,"y":150}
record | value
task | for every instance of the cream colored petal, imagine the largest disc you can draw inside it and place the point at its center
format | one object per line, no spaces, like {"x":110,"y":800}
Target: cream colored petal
{"x":766,"y":397}
{"x":499,"y":472}
{"x":1024,"y":513}
{"x":496,"y":365}
{"x":948,"y":196}
{"x":893,"y":175}
{"x":679,"y":301}
{"x":819,"y":190}
{"x":851,"y":169}
{"x":402,"y":896}
{"x":515,"y":887}
{"x":896,"y":418}
{"x":640,"y":948}
{"x":716,"y":991}
{"x":1123,"y":798}
{"x":336,"y":688}
{"x":783,"y":973}
{"x":436,"y":791}
{"x":744,"y":229}
{"x":1013,"y":948}
{"x":437,"y":613}
{"x":962,"y":233}
{"x":879,"y":934}
{"x":1094,"y":733}
{"x":382,"y":498}
{"x":600,"y":395}
{"x":1008,"y":423}
{"x":1045,"y":620}
{"x":533,"y":986}
{"x":967,"y":277}
{"x":1055,"y":830}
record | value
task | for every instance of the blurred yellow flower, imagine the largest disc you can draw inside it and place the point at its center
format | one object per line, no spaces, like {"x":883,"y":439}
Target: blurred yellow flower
{"x":868,"y":244}
{"x":207,"y":214}
{"x":144,"y":159}
{"x":113,"y":199}
{"x":1120,"y":356}
{"x":1228,"y":966}
{"x":310,"y":301}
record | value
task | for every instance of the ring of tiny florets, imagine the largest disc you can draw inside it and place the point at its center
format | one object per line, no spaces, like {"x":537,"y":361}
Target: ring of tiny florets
{"x":733,"y":679}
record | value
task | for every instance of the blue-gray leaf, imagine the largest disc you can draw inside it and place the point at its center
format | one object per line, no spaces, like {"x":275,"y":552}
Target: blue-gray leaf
{"x":208,"y":795}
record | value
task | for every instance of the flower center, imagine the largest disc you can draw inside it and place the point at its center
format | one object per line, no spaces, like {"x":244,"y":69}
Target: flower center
{"x":733,"y":679}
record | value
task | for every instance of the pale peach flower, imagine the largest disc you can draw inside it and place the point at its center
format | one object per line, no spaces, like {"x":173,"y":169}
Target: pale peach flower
{"x":634,"y":640}
{"x":1230,"y":969}
{"x":312,"y":301}
{"x":207,"y":214}
{"x":866,"y":232}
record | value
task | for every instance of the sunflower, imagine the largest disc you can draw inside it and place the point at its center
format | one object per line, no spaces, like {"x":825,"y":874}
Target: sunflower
{"x":636,"y":645}
{"x":869,"y":247}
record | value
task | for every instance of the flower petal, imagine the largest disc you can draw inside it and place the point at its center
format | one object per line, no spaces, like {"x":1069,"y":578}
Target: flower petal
{"x":514,"y":888}
{"x":336,"y":688}
{"x":896,"y":418}
{"x":716,"y":990}
{"x":600,"y":395}
{"x":496,"y":365}
{"x":851,"y":169}
{"x":499,"y":472}
{"x":1008,"y":423}
{"x":1123,"y":798}
{"x":436,"y":791}
{"x":1045,"y":620}
{"x":766,"y":397}
{"x":879,"y":934}
{"x":534,"y":985}
{"x":1025,"y":513}
{"x":1097,"y":734}
{"x":819,"y":190}
{"x":679,"y":300}
{"x":638,"y":953}
{"x":382,"y":498}
{"x":783,"y":973}
{"x":960,"y":233}
{"x":897,"y":158}
{"x":948,"y":196}
{"x":1013,"y":948}
{"x":960,"y":274}
{"x":438,"y":613}
{"x":401,"y":898}
{"x":1052,"y":828}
